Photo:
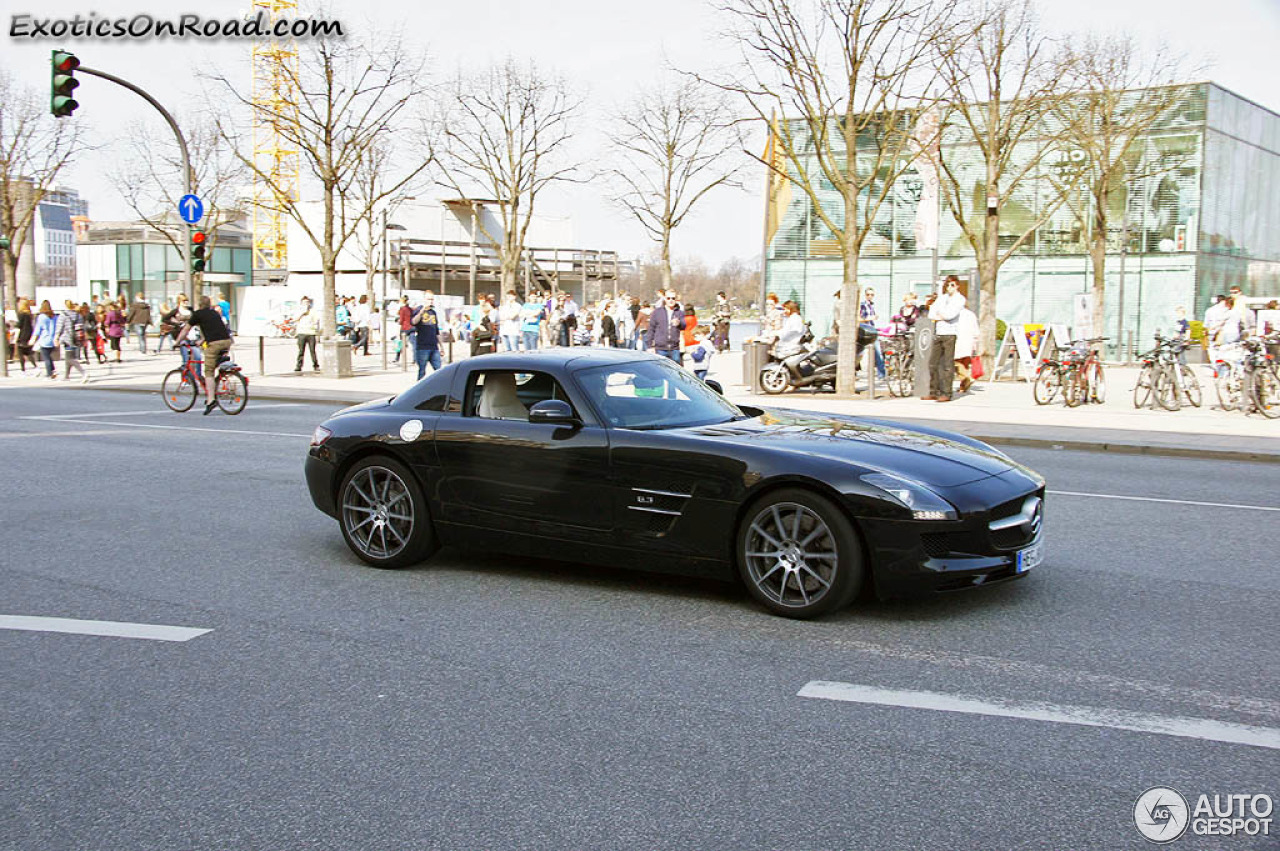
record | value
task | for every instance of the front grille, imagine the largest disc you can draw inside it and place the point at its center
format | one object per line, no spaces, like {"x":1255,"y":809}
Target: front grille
{"x":1011,"y":538}
{"x":1014,"y":537}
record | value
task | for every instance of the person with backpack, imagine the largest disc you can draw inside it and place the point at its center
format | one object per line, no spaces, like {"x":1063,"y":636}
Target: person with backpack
{"x":704,"y":347}
{"x":69,"y":333}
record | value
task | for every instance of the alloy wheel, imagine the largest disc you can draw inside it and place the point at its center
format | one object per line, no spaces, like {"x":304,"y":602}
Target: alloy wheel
{"x":377,"y":512}
{"x":791,"y":555}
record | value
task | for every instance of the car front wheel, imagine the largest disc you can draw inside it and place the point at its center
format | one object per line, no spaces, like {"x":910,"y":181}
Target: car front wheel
{"x":798,"y":555}
{"x":383,"y":514}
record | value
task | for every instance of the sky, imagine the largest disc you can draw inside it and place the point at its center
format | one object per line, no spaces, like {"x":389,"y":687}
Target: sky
{"x":605,"y":49}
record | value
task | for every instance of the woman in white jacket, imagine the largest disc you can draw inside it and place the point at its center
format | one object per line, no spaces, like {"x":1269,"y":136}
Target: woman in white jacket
{"x":966,"y":346}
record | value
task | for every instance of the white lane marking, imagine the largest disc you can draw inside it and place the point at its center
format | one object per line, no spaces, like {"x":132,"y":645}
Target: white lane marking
{"x":1087,"y":716}
{"x":114,"y":629}
{"x":1171,"y":501}
{"x":93,"y":433}
{"x":257,"y":406}
{"x":193,"y":428}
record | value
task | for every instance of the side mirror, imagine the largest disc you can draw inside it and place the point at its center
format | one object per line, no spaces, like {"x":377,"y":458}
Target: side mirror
{"x":554,"y":411}
{"x":714,"y":385}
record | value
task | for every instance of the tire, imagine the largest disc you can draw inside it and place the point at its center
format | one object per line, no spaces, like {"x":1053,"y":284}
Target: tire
{"x":232,"y":392}
{"x":1076,"y":390}
{"x":368,"y":499}
{"x":1266,"y":392}
{"x":798,"y":575}
{"x":1166,"y":390}
{"x":901,"y":379}
{"x":774,"y":379}
{"x":178,"y":391}
{"x":1191,"y":386}
{"x":1142,"y":390}
{"x":1048,"y":383}
{"x":1227,"y":386}
{"x":1097,"y":384}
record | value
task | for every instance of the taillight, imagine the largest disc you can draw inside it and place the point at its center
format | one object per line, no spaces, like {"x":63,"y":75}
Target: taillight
{"x":320,"y":435}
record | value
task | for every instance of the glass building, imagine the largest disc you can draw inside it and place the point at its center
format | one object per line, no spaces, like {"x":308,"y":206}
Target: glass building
{"x":1199,"y":214}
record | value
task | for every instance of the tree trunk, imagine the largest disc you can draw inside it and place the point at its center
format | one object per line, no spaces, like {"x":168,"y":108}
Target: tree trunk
{"x":666,"y":260}
{"x":1098,"y":254}
{"x":846,"y":348}
{"x":329,"y":263}
{"x":988,"y":271}
{"x":10,"y":279}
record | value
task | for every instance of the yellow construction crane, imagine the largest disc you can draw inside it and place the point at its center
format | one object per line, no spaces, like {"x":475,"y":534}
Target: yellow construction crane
{"x":275,"y":70}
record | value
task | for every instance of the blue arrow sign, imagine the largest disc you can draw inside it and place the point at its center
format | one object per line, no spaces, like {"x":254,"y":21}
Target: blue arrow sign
{"x":191,"y":208}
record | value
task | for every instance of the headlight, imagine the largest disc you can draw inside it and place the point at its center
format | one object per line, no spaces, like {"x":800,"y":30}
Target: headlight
{"x":320,"y":435}
{"x":923,"y":503}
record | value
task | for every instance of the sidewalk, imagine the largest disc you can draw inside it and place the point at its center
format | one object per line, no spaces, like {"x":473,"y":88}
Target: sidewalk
{"x":1001,"y":413}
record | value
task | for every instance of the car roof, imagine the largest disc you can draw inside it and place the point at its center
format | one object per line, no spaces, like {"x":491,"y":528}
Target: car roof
{"x":560,"y":358}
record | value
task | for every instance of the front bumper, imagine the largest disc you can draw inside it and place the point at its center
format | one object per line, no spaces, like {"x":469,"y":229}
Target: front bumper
{"x":320,"y":471}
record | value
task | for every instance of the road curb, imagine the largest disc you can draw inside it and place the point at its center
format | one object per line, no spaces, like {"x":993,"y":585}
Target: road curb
{"x":1073,"y":444}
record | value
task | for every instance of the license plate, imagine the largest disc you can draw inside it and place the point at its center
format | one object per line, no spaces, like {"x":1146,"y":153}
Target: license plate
{"x":1029,"y":558}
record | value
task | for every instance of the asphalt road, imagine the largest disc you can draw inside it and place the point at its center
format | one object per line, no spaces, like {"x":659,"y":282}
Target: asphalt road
{"x":491,"y":703}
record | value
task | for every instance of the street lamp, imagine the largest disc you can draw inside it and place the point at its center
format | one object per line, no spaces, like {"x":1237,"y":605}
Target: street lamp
{"x":386,"y":319}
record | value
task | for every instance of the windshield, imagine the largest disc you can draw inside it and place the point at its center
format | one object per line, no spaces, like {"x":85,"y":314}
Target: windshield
{"x":649,"y":394}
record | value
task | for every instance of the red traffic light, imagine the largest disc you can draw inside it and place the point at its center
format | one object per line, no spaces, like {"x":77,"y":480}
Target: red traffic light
{"x":65,"y":62}
{"x":198,"y":237}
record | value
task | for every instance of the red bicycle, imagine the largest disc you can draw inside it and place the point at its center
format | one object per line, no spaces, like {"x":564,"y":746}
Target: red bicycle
{"x":181,"y":387}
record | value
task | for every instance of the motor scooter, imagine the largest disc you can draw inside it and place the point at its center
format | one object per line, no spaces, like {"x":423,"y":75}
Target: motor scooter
{"x":814,"y":365}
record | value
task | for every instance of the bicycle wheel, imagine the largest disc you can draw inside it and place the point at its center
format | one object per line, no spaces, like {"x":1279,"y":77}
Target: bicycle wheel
{"x":178,"y":391}
{"x":1191,"y":386}
{"x":1142,"y":390}
{"x":232,"y":392}
{"x":1166,"y":390}
{"x":1075,"y":389}
{"x":1047,"y":385}
{"x":1227,"y":386}
{"x":895,"y":368}
{"x":1097,"y":384}
{"x":1266,"y":392}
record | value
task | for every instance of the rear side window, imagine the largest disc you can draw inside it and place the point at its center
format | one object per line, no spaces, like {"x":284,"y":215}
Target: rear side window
{"x":432,"y":392}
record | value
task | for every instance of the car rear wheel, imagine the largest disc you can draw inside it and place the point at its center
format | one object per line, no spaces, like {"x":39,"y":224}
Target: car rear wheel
{"x":798,"y":555}
{"x":383,"y":514}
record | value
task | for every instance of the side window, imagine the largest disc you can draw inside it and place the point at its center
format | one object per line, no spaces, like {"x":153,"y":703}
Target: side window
{"x":508,"y":395}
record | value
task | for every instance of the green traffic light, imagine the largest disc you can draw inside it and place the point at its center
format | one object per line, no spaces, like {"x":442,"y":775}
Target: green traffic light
{"x":4,"y":243}
{"x":63,"y":83}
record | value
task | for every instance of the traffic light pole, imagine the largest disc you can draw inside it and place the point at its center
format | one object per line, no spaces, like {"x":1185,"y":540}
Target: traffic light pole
{"x":187,"y":285}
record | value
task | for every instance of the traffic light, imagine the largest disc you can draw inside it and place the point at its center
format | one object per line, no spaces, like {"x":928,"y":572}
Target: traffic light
{"x":198,"y":240}
{"x":4,"y":243}
{"x":63,"y":83}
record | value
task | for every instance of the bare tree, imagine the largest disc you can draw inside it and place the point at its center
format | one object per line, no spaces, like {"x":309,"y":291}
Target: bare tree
{"x":375,"y":166}
{"x":35,"y":147}
{"x":503,"y":132}
{"x":345,"y":97}
{"x":1124,"y":94}
{"x":674,"y":143}
{"x":846,"y":78}
{"x":149,"y":180}
{"x":1002,"y":79}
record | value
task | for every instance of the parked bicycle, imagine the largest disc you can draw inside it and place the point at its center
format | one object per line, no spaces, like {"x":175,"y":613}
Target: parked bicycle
{"x":1164,"y":380}
{"x":1088,"y":382}
{"x":1247,"y":377}
{"x":899,"y":364}
{"x":182,"y":386}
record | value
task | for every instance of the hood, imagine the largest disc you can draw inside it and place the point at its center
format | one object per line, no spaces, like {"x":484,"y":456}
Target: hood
{"x":930,"y":458}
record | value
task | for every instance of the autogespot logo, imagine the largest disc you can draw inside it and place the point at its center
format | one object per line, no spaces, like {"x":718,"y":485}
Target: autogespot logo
{"x":1161,"y":814}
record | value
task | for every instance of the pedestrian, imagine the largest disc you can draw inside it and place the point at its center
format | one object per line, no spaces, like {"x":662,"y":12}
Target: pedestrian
{"x":608,"y":327}
{"x":966,"y":347}
{"x":723,"y":314}
{"x":26,"y":325}
{"x":115,"y":324}
{"x":634,"y":307}
{"x":701,"y":353}
{"x":666,"y":324}
{"x":945,"y":314}
{"x":791,"y":333}
{"x":44,"y":337}
{"x":867,"y":319}
{"x":569,"y":320}
{"x":70,"y":336}
{"x":224,"y":307}
{"x":690,"y":322}
{"x":771,"y":320}
{"x":404,"y":316}
{"x":360,"y":324}
{"x":342,"y":318}
{"x":139,"y":319}
{"x":484,"y":330}
{"x":307,"y":325}
{"x":426,"y":327}
{"x":905,"y":319}
{"x":643,"y":316}
{"x":90,"y":323}
{"x":531,"y":316}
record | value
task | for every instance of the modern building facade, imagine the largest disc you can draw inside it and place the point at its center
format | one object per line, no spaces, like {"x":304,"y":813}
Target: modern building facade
{"x":127,"y":258}
{"x":1199,"y":216}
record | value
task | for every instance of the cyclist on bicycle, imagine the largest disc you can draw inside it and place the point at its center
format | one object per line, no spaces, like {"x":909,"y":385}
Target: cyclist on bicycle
{"x":217,"y":341}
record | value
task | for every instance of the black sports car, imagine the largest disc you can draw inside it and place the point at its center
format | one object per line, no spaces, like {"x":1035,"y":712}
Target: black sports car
{"x":623,"y":458}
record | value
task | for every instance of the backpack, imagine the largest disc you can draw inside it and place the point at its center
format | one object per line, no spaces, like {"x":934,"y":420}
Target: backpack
{"x":700,"y":353}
